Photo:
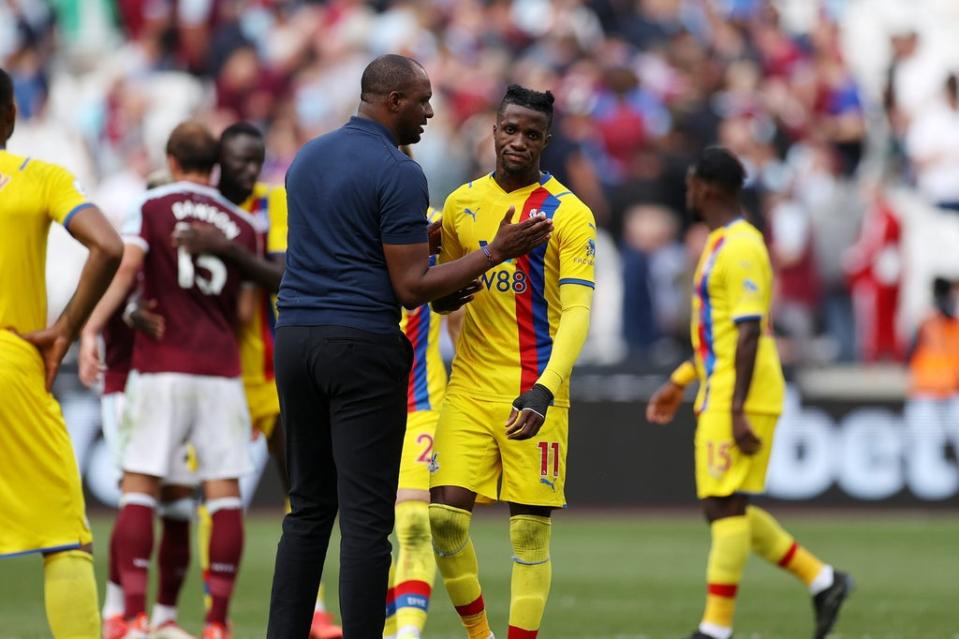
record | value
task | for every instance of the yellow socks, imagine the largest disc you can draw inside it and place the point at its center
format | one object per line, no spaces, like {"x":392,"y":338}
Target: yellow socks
{"x":532,"y":574}
{"x":727,"y":558}
{"x":456,"y":559}
{"x":776,"y":546}
{"x":70,"y":595}
{"x":415,"y":567}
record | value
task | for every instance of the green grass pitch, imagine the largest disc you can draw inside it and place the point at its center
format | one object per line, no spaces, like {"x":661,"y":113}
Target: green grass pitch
{"x":627,"y":575}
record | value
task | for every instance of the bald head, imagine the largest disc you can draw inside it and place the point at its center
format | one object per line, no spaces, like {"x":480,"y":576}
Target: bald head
{"x":388,"y":73}
{"x":8,"y":111}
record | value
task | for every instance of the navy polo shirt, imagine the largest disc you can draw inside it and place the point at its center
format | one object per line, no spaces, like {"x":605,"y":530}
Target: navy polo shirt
{"x":349,"y":192}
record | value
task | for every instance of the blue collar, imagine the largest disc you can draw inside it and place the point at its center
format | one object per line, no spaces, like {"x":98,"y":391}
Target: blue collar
{"x":372,"y":126}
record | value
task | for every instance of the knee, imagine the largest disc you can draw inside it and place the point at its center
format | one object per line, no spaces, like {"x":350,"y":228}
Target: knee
{"x":413,"y":523}
{"x":530,"y":537}
{"x":449,"y":527}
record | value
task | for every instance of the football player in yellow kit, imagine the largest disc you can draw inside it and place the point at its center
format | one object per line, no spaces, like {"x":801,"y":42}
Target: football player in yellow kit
{"x":502,"y":432}
{"x":41,"y":500}
{"x":740,"y":399}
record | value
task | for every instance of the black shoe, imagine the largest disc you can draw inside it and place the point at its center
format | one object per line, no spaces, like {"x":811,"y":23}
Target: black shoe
{"x":828,"y":602}
{"x":702,"y":635}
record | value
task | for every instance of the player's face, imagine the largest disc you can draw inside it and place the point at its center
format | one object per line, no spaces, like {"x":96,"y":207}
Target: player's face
{"x":241,"y":162}
{"x":413,"y":109}
{"x":519,"y":137}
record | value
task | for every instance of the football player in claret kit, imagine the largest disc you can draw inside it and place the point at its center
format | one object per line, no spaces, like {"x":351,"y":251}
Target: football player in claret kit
{"x":740,"y":398}
{"x":185,"y":386}
{"x":503,"y":428}
{"x":241,"y":156}
{"x":41,"y":500}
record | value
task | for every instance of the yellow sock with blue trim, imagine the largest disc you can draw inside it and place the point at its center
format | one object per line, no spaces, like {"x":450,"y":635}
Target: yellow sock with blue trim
{"x":727,"y":558}
{"x":532,"y":574}
{"x":456,"y":559}
{"x":70,"y":595}
{"x":771,"y":542}
{"x":415,"y":568}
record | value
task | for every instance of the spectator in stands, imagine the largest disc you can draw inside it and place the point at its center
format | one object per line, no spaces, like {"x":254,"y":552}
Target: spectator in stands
{"x":933,"y":145}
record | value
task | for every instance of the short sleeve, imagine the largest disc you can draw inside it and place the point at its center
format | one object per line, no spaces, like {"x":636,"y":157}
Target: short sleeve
{"x":133,"y":230}
{"x":64,"y":198}
{"x":276,"y":207}
{"x":576,"y":232}
{"x":403,"y":203}
{"x":451,"y":249}
{"x":745,"y":269}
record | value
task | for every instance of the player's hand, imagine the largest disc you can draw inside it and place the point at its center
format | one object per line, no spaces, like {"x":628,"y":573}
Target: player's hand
{"x":91,"y":368}
{"x":435,"y":234}
{"x":514,"y":240}
{"x":200,"y":238}
{"x":457,"y":299}
{"x":664,"y":403}
{"x":53,"y":344}
{"x":142,"y":318}
{"x":528,"y":413}
{"x":744,"y":435}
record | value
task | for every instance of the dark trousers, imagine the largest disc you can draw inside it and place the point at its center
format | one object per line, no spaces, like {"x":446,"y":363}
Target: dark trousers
{"x":343,"y":403}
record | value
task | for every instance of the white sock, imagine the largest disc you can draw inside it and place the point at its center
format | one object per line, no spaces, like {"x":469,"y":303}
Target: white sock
{"x":406,"y":632}
{"x":113,"y":602}
{"x":162,"y":614}
{"x":715,"y":630}
{"x":822,"y":581}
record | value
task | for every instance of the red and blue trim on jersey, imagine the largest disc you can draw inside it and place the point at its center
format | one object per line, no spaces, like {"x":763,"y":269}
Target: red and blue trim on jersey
{"x":706,"y":352}
{"x":532,"y":309}
{"x":418,"y":332}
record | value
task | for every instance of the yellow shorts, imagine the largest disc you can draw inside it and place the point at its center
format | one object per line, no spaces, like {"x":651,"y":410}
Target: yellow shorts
{"x":471,"y":451}
{"x":41,"y":499}
{"x":264,"y":404}
{"x":418,"y":449}
{"x":721,"y":468}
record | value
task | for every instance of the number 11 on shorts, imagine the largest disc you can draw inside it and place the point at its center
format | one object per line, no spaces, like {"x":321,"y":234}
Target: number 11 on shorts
{"x":545,"y":450}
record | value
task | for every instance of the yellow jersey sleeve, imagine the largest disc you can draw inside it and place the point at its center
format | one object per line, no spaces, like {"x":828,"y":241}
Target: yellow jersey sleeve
{"x":576,"y":231}
{"x":746,"y":270}
{"x":62,"y":195}
{"x":276,"y":207}
{"x":451,"y":248}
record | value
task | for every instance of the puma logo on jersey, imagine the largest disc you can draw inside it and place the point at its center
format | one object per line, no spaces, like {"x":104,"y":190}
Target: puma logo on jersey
{"x":472,"y":214}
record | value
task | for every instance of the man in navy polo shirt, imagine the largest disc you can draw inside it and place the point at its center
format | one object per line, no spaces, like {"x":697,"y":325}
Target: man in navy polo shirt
{"x":358,"y":249}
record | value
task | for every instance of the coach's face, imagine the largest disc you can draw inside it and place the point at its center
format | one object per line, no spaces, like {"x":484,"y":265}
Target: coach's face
{"x":412,"y":108}
{"x":241,"y":160}
{"x":519,"y":137}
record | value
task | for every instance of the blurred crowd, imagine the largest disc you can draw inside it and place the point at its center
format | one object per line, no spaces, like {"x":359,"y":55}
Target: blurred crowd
{"x":641,"y":86}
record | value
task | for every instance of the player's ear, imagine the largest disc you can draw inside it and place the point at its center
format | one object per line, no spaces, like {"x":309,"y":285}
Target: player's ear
{"x":547,"y":138}
{"x":393,"y":99}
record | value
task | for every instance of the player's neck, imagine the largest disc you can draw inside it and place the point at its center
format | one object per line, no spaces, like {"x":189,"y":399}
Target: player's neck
{"x":510,"y":182}
{"x":203,"y":179}
{"x":721,"y":216}
{"x":234,"y":194}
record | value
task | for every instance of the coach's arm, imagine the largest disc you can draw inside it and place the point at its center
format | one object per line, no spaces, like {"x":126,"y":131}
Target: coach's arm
{"x":91,"y":229}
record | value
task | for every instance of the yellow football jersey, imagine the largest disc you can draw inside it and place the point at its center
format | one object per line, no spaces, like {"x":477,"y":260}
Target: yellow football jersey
{"x":427,"y":383}
{"x":32,"y":194}
{"x":268,"y":204}
{"x":508,"y":329}
{"x":733,"y":282}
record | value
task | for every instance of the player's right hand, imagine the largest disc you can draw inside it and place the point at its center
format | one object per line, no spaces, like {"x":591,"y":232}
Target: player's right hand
{"x":53,"y":343}
{"x":89,"y":360}
{"x":457,"y":299}
{"x":514,"y":240}
{"x":143,"y":319}
{"x":664,"y":403}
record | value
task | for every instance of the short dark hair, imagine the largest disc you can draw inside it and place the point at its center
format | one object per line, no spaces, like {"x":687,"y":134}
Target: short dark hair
{"x":193,"y":147}
{"x":717,"y":165}
{"x":541,"y":101}
{"x":6,"y":91}
{"x":235,"y":130}
{"x":386,"y":73}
